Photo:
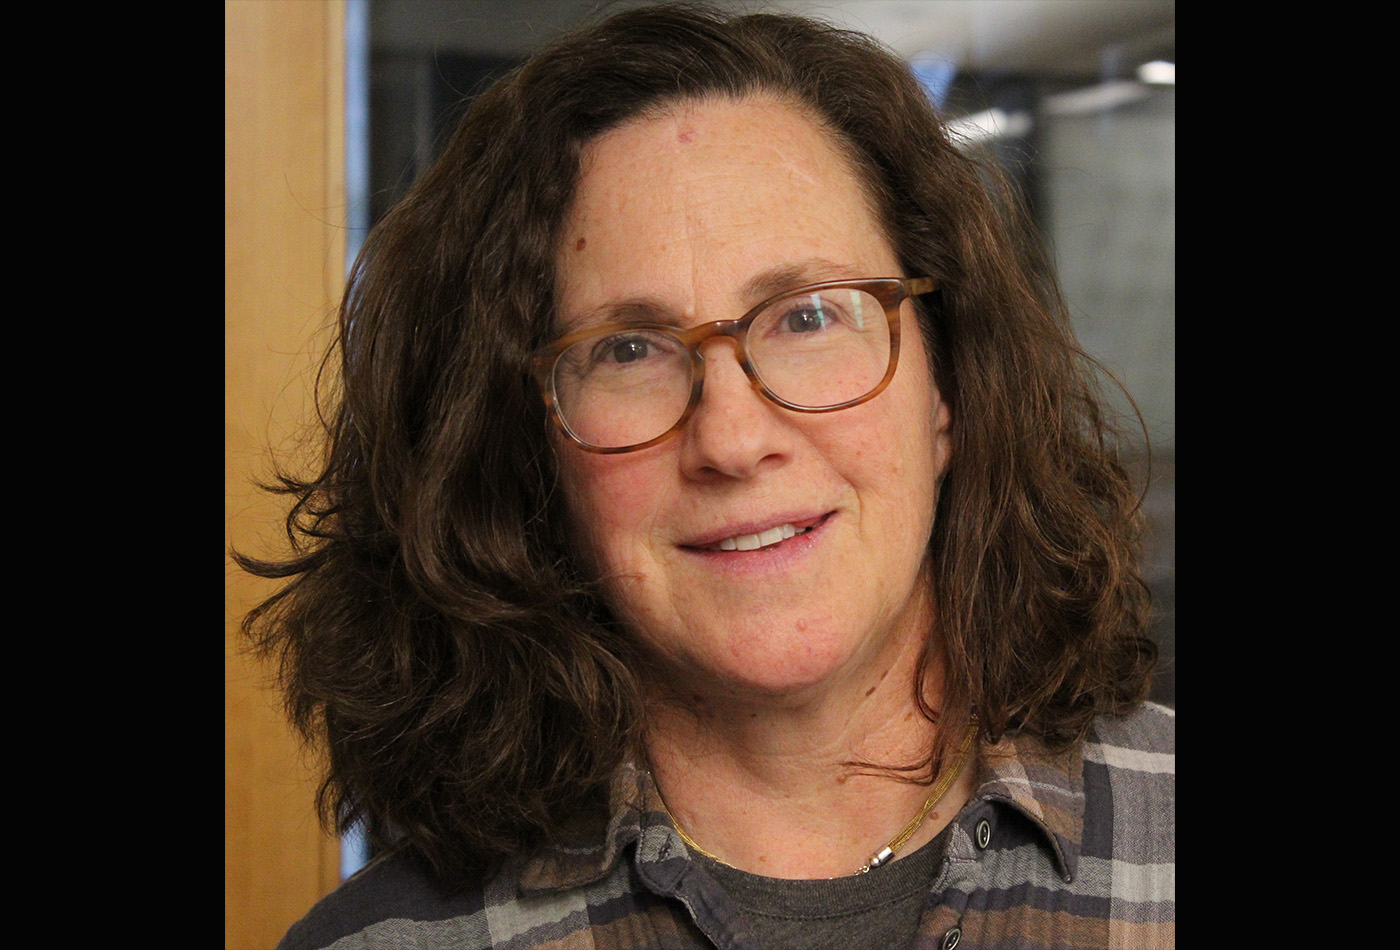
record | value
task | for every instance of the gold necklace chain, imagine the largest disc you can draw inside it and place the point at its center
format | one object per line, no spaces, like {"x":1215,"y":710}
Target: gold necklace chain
{"x":885,"y":854}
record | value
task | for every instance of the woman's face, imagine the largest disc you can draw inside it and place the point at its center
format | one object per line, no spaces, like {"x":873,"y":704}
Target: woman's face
{"x":690,"y":213}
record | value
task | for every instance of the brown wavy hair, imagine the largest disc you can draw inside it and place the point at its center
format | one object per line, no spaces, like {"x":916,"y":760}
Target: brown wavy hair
{"x":435,"y":633}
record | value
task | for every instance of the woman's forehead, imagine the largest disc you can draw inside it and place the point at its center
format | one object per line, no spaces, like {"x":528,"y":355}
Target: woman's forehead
{"x":742,"y":189}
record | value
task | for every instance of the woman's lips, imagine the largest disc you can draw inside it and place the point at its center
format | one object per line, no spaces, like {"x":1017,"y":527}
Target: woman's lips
{"x":752,"y":542}
{"x":743,"y":540}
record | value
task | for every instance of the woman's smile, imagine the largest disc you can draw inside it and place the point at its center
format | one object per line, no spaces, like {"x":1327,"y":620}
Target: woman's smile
{"x":746,"y":538}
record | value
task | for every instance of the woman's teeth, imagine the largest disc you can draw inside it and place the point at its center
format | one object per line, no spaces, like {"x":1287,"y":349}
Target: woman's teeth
{"x":752,"y":542}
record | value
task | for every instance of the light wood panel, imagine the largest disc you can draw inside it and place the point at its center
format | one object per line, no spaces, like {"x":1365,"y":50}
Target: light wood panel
{"x":284,"y":209}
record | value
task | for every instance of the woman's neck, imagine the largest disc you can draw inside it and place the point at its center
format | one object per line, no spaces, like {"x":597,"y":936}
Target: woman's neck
{"x":772,"y":785}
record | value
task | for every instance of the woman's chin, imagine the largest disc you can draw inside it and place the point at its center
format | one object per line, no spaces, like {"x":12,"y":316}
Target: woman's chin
{"x":771,"y":673}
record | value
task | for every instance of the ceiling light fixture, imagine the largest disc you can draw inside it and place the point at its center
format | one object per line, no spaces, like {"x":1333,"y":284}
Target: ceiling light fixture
{"x":1159,"y":72}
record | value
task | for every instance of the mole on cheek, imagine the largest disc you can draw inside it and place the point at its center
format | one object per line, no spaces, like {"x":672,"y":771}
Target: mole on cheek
{"x":580,"y":244}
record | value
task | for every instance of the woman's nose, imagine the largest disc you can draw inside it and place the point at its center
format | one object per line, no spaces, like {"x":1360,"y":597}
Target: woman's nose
{"x":735,"y":431}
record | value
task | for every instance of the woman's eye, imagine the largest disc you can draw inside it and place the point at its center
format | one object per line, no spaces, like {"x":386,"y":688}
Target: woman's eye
{"x":806,"y":320}
{"x":627,"y":351}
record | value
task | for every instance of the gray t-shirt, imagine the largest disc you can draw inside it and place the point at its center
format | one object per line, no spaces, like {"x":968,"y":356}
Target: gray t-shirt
{"x":878,"y":909}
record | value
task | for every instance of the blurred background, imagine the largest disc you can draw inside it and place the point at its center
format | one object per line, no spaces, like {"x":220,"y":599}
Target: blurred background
{"x":1076,"y":97}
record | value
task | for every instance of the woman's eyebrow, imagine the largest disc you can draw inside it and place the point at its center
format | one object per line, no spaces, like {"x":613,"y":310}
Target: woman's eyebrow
{"x":630,"y":312}
{"x":791,"y":276}
{"x":768,"y":283}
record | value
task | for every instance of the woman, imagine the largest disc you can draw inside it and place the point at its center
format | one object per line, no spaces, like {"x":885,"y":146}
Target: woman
{"x":819,"y":627}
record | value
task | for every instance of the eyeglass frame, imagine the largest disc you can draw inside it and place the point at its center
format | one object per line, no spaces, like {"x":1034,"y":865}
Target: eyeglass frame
{"x":890,"y":292}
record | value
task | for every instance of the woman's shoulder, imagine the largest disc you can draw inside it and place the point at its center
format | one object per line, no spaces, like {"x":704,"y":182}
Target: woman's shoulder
{"x":1146,"y":736}
{"x":1130,"y":790}
{"x":391,"y":901}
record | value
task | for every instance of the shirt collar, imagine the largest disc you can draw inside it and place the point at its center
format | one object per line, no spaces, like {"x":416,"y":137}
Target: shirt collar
{"x":1047,"y":787}
{"x":581,"y":858}
{"x":1019,"y":772}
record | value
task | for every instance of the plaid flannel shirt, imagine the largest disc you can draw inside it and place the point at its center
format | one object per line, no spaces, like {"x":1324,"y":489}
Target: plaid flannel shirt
{"x":1069,"y":850}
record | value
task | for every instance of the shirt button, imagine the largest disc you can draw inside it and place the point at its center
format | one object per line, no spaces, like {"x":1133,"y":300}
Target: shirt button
{"x":951,"y":938}
{"x":984,"y":833}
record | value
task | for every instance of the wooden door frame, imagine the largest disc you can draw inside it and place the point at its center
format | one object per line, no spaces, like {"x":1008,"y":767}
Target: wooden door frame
{"x":284,"y":269}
